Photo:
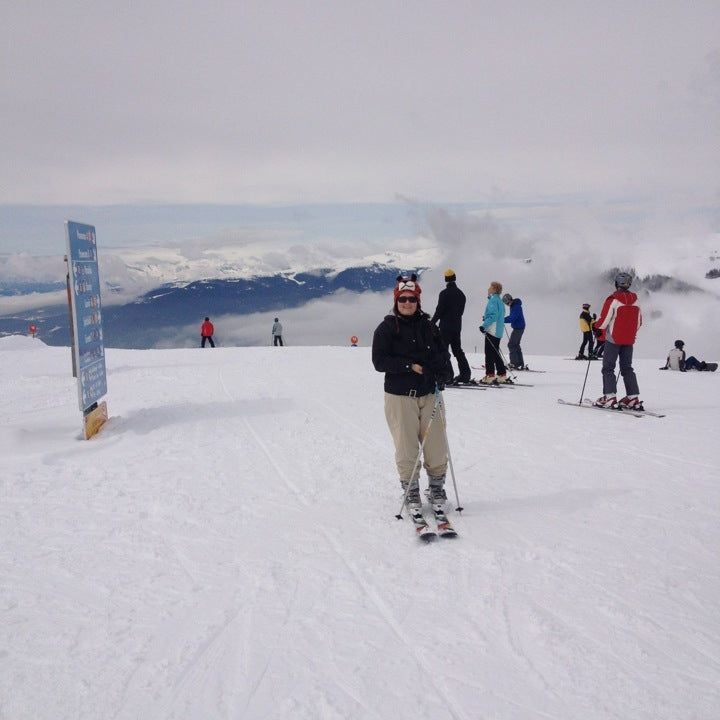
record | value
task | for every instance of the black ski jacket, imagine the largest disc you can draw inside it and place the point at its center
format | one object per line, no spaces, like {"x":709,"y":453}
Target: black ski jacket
{"x":450,"y":308}
{"x":399,"y":342}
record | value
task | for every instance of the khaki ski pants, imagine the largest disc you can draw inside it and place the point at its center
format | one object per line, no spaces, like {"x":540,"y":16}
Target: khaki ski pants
{"x":408,"y":419}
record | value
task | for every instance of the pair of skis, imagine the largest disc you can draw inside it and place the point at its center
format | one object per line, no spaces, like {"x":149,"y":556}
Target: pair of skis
{"x":425,"y":533}
{"x":586,"y":403}
{"x":477,"y":385}
{"x":514,"y":369}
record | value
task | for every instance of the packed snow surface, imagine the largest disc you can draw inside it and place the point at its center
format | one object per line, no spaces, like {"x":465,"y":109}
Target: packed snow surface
{"x":227,"y":546}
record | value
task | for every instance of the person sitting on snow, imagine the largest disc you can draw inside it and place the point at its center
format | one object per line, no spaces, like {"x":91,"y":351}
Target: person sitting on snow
{"x":676,"y":360}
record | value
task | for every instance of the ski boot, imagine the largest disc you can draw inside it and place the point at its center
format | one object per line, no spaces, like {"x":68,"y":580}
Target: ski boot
{"x":435,"y":492}
{"x":607,"y":401}
{"x":631,"y":402}
{"x":437,"y":498}
{"x":461,"y":380}
{"x":488,"y":380}
{"x":412,"y":500}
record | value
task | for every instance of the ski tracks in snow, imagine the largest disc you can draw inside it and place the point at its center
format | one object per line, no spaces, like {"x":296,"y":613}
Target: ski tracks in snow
{"x":382,"y":608}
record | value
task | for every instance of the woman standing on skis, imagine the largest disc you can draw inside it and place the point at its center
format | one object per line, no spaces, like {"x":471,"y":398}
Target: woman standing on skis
{"x":493,"y":326}
{"x":408,"y":349}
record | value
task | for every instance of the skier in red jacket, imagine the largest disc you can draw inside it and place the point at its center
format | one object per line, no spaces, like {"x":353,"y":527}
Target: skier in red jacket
{"x":620,"y":318}
{"x":206,"y":332}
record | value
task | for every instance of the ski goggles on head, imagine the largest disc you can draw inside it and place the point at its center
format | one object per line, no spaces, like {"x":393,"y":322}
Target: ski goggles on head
{"x":407,"y":285}
{"x":407,"y":299}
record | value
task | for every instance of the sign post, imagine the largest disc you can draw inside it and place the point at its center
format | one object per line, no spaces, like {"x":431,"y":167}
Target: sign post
{"x":86,"y":316}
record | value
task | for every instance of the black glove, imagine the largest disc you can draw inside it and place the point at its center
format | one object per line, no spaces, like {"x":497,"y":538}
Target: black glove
{"x":482,"y":329}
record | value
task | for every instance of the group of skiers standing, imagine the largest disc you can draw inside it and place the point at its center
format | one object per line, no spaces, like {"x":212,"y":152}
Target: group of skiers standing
{"x":448,"y":314}
{"x":412,"y":349}
{"x":413,"y":353}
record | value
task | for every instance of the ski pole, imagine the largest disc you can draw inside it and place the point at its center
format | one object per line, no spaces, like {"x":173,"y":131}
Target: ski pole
{"x":582,"y":392}
{"x":417,"y":461}
{"x":507,"y":335}
{"x":459,"y":507}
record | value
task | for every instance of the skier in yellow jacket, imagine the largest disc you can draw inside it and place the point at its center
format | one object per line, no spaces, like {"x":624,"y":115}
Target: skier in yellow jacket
{"x":586,"y":325}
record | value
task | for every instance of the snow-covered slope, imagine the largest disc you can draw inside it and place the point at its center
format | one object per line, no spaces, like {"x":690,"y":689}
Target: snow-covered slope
{"x":226,"y":547}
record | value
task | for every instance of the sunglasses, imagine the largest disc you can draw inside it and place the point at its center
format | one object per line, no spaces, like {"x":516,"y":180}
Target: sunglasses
{"x":407,"y":299}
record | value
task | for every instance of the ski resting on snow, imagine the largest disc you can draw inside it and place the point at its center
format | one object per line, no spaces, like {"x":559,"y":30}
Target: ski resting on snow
{"x":586,"y":403}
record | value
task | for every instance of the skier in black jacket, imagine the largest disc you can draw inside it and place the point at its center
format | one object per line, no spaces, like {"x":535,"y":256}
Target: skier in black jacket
{"x":449,"y":311}
{"x":409,"y":350}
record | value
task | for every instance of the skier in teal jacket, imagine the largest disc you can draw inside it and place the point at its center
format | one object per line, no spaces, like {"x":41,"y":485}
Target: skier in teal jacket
{"x":493,"y":326}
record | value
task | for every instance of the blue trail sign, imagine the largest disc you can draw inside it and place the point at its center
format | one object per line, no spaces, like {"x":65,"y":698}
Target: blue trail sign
{"x":86,"y":313}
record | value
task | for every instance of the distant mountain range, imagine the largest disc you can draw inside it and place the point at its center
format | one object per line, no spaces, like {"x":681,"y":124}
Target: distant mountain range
{"x":166,"y":309}
{"x":13,"y":289}
{"x":137,"y":317}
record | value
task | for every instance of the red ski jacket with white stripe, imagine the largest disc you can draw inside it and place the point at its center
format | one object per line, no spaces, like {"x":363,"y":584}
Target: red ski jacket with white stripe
{"x":620,"y":317}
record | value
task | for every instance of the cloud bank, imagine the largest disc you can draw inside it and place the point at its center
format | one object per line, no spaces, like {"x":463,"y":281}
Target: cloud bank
{"x":284,"y":101}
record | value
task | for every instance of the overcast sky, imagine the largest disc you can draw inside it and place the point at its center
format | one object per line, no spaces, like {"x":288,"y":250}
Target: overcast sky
{"x":297,"y":102}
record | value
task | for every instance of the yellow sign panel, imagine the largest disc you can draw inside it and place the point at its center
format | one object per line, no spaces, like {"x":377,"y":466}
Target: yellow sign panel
{"x":95,"y":419}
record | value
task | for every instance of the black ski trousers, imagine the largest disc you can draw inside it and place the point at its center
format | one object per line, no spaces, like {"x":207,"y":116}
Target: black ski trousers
{"x":451,"y":338}
{"x":277,"y":340}
{"x":610,"y":357}
{"x":587,"y":340}
{"x":516,"y":356}
{"x":494,"y":364}
{"x":207,"y":337}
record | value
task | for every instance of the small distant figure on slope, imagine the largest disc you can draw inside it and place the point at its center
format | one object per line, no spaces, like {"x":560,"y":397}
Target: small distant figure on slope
{"x":676,"y":360}
{"x":586,"y":328}
{"x":207,"y":330}
{"x":600,"y":336}
{"x":408,"y":348}
{"x":621,"y":318}
{"x":493,"y":328}
{"x":277,"y":333}
{"x":449,"y":312}
{"x":516,"y":318}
